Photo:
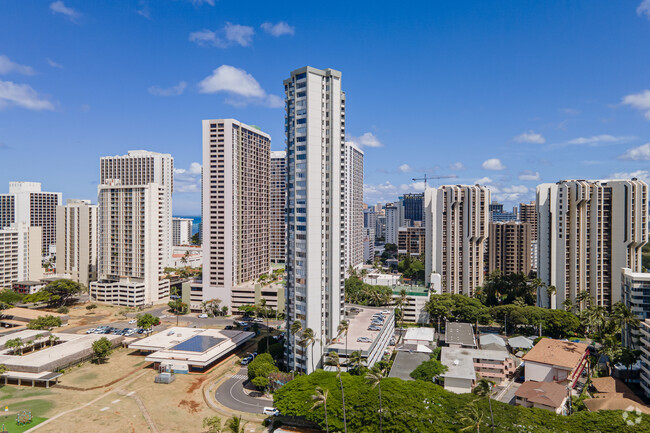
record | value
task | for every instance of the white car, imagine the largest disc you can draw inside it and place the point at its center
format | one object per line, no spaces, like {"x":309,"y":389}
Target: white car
{"x":132,"y":321}
{"x":258,"y":320}
{"x":90,"y":331}
{"x":203,"y":316}
{"x":271,"y":411}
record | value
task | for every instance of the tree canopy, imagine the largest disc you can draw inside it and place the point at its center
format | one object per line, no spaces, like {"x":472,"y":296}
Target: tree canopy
{"x":44,"y":322}
{"x":499,"y":289}
{"x":428,"y":370}
{"x":102,"y":349}
{"x":358,"y":292}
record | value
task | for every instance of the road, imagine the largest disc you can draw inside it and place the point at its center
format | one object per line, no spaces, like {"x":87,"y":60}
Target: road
{"x":231,"y":394}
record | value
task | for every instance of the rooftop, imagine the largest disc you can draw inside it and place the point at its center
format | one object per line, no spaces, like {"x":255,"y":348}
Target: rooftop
{"x":459,"y":333}
{"x":557,"y":353}
{"x":615,"y":403}
{"x":546,"y":393}
{"x":611,"y":387}
{"x":520,"y":342}
{"x":485,"y":339}
{"x":428,"y":334}
{"x":460,"y":361}
{"x":358,"y":327}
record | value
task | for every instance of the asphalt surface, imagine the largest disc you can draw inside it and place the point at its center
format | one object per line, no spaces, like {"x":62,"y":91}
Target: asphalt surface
{"x":231,"y":394}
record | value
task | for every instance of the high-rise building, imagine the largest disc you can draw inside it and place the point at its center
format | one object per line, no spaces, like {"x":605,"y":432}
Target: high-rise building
{"x":20,"y":254}
{"x":392,"y":223}
{"x":411,"y":209}
{"x":368,"y":245}
{"x":411,"y":241}
{"x":278,"y":209}
{"x":636,"y":297}
{"x":77,"y":240}
{"x":135,"y":228}
{"x":380,"y":227}
{"x":498,"y":215}
{"x":528,"y":214}
{"x":509,"y":247}
{"x":236,"y":161}
{"x":588,"y":230}
{"x":27,"y":204}
{"x":456,"y":231}
{"x":315,"y":125}
{"x":181,"y":231}
{"x":354,"y":205}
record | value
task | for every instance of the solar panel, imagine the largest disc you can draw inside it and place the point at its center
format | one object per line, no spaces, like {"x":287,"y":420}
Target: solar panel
{"x":198,"y":343}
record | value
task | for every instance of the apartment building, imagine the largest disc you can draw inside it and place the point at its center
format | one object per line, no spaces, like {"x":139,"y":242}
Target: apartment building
{"x":392,"y":222}
{"x":278,"y":207}
{"x":236,"y":202}
{"x":77,"y":240}
{"x":588,"y":230}
{"x":497,"y":214}
{"x":27,"y":204}
{"x":509,"y":248}
{"x":181,"y":231}
{"x":528,"y":214}
{"x":354,"y":217}
{"x":368,"y":245}
{"x":411,"y":241}
{"x":315,"y":125}
{"x":135,"y":228}
{"x":636,"y":297}
{"x":20,"y":254}
{"x":380,"y":227}
{"x":411,"y":209}
{"x":370,"y":223}
{"x":456,"y":233}
{"x":644,"y":340}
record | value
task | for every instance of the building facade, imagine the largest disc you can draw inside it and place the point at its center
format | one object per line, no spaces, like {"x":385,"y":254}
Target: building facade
{"x":456,"y":232}
{"x":181,"y":231}
{"x":135,"y":228}
{"x":644,"y":340}
{"x":411,"y":241}
{"x":27,"y":204}
{"x":315,"y":125}
{"x":77,"y":240}
{"x":636,"y":297}
{"x":354,"y":217}
{"x":236,"y":161}
{"x":411,"y":209}
{"x":588,"y":230}
{"x":392,"y":223}
{"x":20,"y":254}
{"x":278,"y":207}
{"x":509,"y":248}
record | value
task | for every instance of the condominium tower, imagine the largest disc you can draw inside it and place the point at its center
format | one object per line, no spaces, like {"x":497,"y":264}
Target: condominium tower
{"x":20,"y":254}
{"x":354,"y":204}
{"x":27,"y":204}
{"x":588,"y":230}
{"x":411,"y":209}
{"x":315,"y":125}
{"x":134,"y":222}
{"x":392,"y":222}
{"x":77,"y":240}
{"x":181,"y":231}
{"x":456,"y":231}
{"x":278,"y":207}
{"x":509,"y":247}
{"x":236,"y":160}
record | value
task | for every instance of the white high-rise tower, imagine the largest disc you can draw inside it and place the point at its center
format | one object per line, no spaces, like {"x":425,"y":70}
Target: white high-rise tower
{"x":315,"y":125}
{"x":354,"y":205}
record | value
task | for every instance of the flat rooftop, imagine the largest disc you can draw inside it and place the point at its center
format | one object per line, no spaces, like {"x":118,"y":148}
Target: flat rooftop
{"x":460,"y":361}
{"x":405,"y":363}
{"x":359,"y":328}
{"x":459,"y":333}
{"x":428,"y":334}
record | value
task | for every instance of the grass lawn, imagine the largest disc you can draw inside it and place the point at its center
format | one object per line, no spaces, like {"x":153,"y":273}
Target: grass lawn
{"x":10,"y":423}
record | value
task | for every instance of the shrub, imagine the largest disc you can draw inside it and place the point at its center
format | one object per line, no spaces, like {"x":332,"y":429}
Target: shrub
{"x":63,"y":310}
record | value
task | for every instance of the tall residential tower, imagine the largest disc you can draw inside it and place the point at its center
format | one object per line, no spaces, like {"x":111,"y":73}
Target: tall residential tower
{"x":76,"y":240}
{"x":354,"y":205}
{"x":278,"y":207}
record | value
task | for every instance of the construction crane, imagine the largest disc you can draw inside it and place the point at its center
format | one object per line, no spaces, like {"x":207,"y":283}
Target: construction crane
{"x":425,"y":178}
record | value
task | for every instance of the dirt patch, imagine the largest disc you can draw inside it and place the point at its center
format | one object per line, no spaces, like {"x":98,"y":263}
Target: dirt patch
{"x":190,"y":405}
{"x":198,"y":382}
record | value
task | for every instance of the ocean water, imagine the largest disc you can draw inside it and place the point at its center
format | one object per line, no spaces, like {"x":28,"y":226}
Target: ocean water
{"x":196,"y":220}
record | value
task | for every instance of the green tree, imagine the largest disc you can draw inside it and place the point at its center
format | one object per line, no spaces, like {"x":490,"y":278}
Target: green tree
{"x":16,"y":344}
{"x":262,"y":366}
{"x":44,"y":322}
{"x":213,"y":424}
{"x":374,"y":377}
{"x":196,"y":239}
{"x":236,"y":425}
{"x":320,"y":399}
{"x":356,"y":361}
{"x":3,"y":369}
{"x":147,"y":321}
{"x":483,"y":388}
{"x":342,"y":329}
{"x":91,"y":307}
{"x":309,"y":339}
{"x":62,"y":291}
{"x":261,"y":382}
{"x":102,"y":349}
{"x":472,"y":416}
{"x":625,"y":318}
{"x":332,"y":360}
{"x":295,"y":329}
{"x":428,"y":371}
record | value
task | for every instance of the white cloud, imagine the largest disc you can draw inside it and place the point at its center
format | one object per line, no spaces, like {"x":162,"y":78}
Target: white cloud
{"x":529,"y":175}
{"x":639,"y":174}
{"x":570,"y":111}
{"x":230,"y":34}
{"x":596,"y":140}
{"x":640,"y":101}
{"x":170,"y":91}
{"x":242,"y":86}
{"x":483,"y":181}
{"x":145,"y":10}
{"x":405,"y":168}
{"x":7,"y":67}
{"x":278,"y":29}
{"x":22,"y":95}
{"x":514,"y":193}
{"x":641,"y":153}
{"x":188,"y":180}
{"x":387,"y":192}
{"x":530,"y":137}
{"x":60,"y":8}
{"x":457,"y":166}
{"x":368,"y":139}
{"x":202,"y":2}
{"x":493,"y":164}
{"x":54,"y":64}
{"x":644,"y":9}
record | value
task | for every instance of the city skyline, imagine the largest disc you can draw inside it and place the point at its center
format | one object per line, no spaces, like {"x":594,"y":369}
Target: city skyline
{"x":499,"y":111}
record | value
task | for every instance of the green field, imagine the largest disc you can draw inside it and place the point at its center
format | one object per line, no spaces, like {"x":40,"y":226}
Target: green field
{"x":10,"y":423}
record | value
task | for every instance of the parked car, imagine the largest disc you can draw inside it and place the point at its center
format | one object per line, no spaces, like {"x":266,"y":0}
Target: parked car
{"x":392,"y":341}
{"x":271,"y":411}
{"x":133,"y":321}
{"x":258,"y":320}
{"x":385,"y":312}
{"x":245,"y":361}
{"x":203,"y":316}
{"x":171,"y":332}
{"x":90,"y":331}
{"x":374,"y":328}
{"x":228,"y":327}
{"x":140,"y":330}
{"x":364,"y":340}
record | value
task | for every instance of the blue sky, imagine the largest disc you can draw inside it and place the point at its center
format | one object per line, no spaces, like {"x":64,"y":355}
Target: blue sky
{"x":510,"y":93}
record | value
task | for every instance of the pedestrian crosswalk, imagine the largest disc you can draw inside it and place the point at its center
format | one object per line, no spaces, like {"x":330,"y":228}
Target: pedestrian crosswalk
{"x":239,"y":376}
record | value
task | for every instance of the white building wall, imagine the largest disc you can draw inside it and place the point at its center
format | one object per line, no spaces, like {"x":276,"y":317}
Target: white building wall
{"x":77,"y":240}
{"x":181,"y":231}
{"x":392,"y":223}
{"x":354,"y":202}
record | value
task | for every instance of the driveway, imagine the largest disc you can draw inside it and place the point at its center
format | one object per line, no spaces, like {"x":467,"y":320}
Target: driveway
{"x":231,"y":394}
{"x":507,"y":395}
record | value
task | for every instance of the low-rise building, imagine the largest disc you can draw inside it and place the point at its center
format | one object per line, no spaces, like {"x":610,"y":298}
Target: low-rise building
{"x":27,"y":287}
{"x":556,"y":361}
{"x":459,"y":334}
{"x":251,"y":293}
{"x":378,"y":279}
{"x":425,"y":336}
{"x":466,"y":366}
{"x":415,"y":305}
{"x":543,"y":395}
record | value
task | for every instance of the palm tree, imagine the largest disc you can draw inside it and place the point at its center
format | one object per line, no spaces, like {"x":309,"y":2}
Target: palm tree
{"x":472,"y":416}
{"x":483,"y":388}
{"x":320,"y":398}
{"x":309,"y":339}
{"x":343,"y":329}
{"x":52,"y":339}
{"x":213,"y":424}
{"x":611,"y":349}
{"x":356,"y":360}
{"x":235,"y":425}
{"x":550,"y":291}
{"x":625,"y":318}
{"x":295,"y":329}
{"x":374,"y":377}
{"x":332,"y":360}
{"x":596,"y":318}
{"x":567,"y":304}
{"x":582,"y":299}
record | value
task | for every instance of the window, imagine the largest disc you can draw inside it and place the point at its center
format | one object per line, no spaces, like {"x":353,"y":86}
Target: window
{"x":301,"y":94}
